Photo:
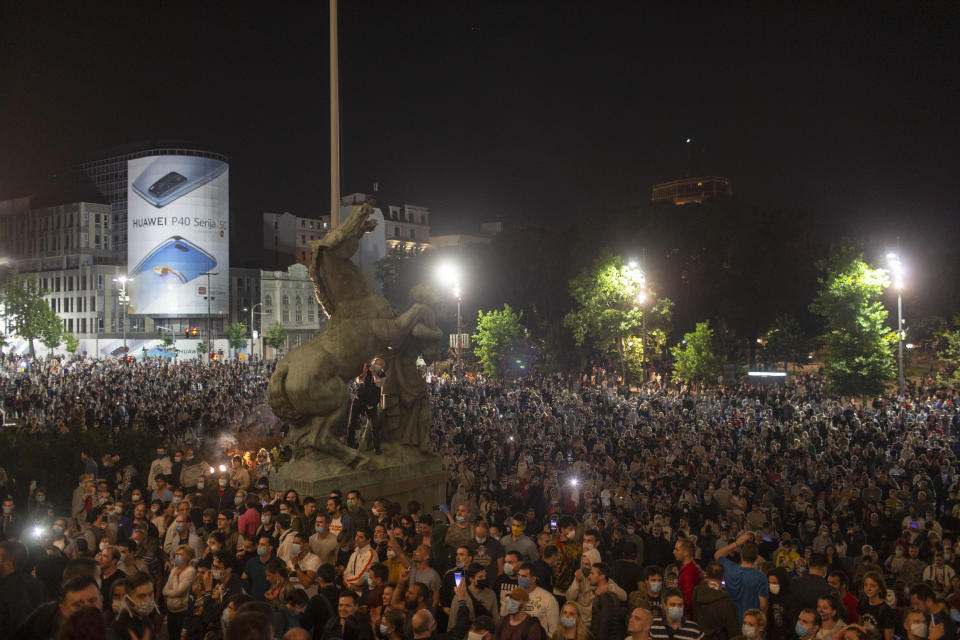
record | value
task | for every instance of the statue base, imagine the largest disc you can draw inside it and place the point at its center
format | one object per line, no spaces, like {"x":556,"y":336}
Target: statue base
{"x":390,"y":477}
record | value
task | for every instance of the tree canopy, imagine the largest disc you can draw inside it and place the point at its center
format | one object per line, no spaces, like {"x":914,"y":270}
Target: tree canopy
{"x":499,"y":336}
{"x":859,"y":346}
{"x":694,"y":359}
{"x":30,"y":316}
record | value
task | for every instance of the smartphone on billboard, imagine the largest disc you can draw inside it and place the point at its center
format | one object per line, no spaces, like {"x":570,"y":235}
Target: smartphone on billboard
{"x":457,"y":578}
{"x":170,"y":177}
{"x":173,"y":262}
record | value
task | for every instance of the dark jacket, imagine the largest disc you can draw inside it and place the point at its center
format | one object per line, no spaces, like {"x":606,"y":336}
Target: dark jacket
{"x":607,"y":618}
{"x":714,"y":611}
{"x":357,"y":627}
{"x":460,"y":629}
{"x":20,"y":594}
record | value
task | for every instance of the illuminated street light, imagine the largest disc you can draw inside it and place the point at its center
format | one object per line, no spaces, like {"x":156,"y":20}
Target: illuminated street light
{"x":449,"y":274}
{"x":124,"y":300}
{"x":897,"y":271}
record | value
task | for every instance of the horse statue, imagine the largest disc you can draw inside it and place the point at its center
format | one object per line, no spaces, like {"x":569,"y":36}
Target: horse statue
{"x":309,"y":390}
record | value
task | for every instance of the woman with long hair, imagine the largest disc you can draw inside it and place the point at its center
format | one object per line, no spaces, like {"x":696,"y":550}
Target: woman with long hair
{"x":875,"y":614}
{"x":571,"y":624}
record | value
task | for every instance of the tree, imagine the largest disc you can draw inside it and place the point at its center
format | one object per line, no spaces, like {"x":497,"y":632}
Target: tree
{"x":694,"y":359}
{"x":237,"y":336}
{"x":277,"y":336}
{"x":859,"y":345}
{"x":786,"y":342}
{"x":203,"y":348}
{"x":70,"y":342}
{"x":397,"y":273}
{"x":29,"y":314}
{"x":607,"y":313}
{"x":499,"y":334}
{"x":948,"y":352}
{"x":167,"y":343}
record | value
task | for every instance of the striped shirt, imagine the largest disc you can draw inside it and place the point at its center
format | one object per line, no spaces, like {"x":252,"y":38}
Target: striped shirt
{"x":688,"y":630}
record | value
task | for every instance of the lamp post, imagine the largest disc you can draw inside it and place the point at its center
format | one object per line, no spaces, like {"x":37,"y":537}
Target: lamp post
{"x":897,"y":268}
{"x":450,"y":275}
{"x":123,"y":300}
{"x":209,"y":326}
{"x":252,"y":312}
{"x":640,"y":277}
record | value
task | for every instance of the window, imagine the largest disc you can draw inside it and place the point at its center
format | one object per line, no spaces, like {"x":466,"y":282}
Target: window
{"x":286,"y":314}
{"x":285,"y":301}
{"x":268,"y":301}
{"x":83,"y":325}
{"x":298,"y":315}
{"x":93,"y":303}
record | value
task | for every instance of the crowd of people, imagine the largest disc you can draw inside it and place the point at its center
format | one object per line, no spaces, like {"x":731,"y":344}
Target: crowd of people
{"x":574,"y":511}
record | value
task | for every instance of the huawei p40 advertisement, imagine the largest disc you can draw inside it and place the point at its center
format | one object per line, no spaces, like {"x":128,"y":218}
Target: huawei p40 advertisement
{"x":178,"y":236}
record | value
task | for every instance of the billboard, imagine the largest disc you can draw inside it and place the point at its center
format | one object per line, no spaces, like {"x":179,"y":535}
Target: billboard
{"x":177,"y":233}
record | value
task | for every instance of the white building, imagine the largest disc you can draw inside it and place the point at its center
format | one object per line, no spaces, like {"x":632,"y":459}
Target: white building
{"x":288,"y":297}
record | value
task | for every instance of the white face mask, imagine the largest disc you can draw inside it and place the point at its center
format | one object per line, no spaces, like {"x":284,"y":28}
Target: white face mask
{"x":475,"y":635}
{"x":774,"y":588}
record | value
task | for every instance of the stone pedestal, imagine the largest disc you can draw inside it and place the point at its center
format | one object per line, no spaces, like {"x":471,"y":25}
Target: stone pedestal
{"x":421,"y":480}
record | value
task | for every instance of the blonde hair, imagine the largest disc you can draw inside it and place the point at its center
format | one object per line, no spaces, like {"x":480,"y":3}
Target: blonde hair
{"x":187,"y":551}
{"x":760,"y":616}
{"x":559,"y":632}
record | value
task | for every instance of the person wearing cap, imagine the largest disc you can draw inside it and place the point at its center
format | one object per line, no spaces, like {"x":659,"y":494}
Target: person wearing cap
{"x":517,"y":624}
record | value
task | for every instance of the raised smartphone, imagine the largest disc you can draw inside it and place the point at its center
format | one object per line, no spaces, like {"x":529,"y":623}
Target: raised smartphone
{"x":170,"y":177}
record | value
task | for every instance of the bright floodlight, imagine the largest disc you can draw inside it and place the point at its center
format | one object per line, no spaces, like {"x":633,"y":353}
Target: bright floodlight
{"x":896,"y":267}
{"x":223,"y":468}
{"x":641,"y":297}
{"x":573,"y":481}
{"x":448,"y":273}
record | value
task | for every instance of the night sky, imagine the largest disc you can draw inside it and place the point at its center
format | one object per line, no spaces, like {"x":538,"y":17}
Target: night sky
{"x":845,"y":113}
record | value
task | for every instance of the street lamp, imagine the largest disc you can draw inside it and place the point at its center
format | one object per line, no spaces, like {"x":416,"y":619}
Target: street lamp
{"x":896,"y":268}
{"x":209,"y":329}
{"x":123,"y":299}
{"x":450,"y":275}
{"x":252,"y":311}
{"x":638,"y":276}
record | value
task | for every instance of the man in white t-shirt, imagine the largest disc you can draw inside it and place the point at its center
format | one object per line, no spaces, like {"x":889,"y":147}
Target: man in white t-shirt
{"x":303,"y":563}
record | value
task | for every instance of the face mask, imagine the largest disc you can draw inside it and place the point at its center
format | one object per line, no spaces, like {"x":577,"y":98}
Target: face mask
{"x":321,"y":530}
{"x":225,"y":616}
{"x":508,"y":568}
{"x":654,"y":587}
{"x":218,"y":575}
{"x":523,"y":583}
{"x":481,"y":540}
{"x":461,"y":519}
{"x":265,"y":519}
{"x":774,"y":588}
{"x":295,"y":549}
{"x":142,"y":609}
{"x":898,"y":552}
{"x":238,"y":500}
{"x":826,"y":615}
{"x":568,"y":623}
{"x":161,"y":456}
{"x":57,"y":531}
{"x":748,"y":631}
{"x":155,"y":509}
{"x":351,"y":504}
{"x":800,"y":630}
{"x":383,"y":630}
{"x":200,"y":485}
{"x":262,"y":552}
{"x":955,"y":615}
{"x":136,"y":497}
{"x":475,"y":635}
{"x":189,"y":458}
{"x":517,"y":531}
{"x":512,"y":606}
{"x":177,"y":499}
{"x":222,"y":482}
{"x":179,"y":527}
{"x":483,"y":584}
{"x":178,"y":560}
{"x":675,"y":613}
{"x":919,"y":629}
{"x":177,"y":458}
{"x":587,"y":546}
{"x":116,"y":604}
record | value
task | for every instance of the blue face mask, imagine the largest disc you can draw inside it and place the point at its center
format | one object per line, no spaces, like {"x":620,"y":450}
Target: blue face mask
{"x":800,"y":630}
{"x":523,"y":583}
{"x":295,"y":549}
{"x":178,"y":560}
{"x":179,"y":527}
{"x":675,"y":613}
{"x":568,"y":623}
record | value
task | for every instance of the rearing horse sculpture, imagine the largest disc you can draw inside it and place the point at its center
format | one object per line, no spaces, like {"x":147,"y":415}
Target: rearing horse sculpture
{"x":308,"y":389}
